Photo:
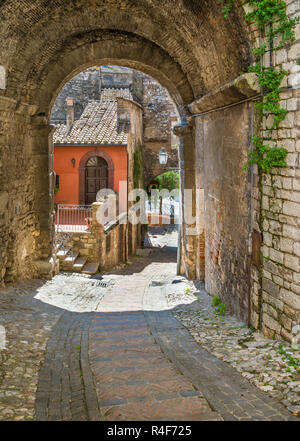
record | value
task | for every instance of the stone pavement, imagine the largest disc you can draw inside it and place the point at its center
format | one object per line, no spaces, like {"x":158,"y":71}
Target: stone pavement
{"x":116,"y":354}
{"x":272,"y":366}
{"x":134,"y":379}
{"x":27,"y":323}
{"x":33,"y":315}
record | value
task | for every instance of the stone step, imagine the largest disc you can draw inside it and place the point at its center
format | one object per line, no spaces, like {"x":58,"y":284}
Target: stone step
{"x":79,"y":263}
{"x":62,"y":253}
{"x":71,"y":257}
{"x":90,"y":268}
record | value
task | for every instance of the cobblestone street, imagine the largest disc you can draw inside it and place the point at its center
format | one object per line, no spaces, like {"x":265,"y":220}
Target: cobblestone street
{"x":90,"y":348}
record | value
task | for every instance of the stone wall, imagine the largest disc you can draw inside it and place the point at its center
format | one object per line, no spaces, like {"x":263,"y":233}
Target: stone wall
{"x":109,"y":248}
{"x":83,"y":88}
{"x":275,"y":293}
{"x":17,"y":221}
{"x":270,"y":297}
{"x":22,"y":234}
{"x":160,"y":115}
{"x":109,"y":245}
{"x":164,"y":42}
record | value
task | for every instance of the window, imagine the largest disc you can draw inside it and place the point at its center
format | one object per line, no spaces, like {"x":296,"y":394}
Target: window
{"x":57,"y":181}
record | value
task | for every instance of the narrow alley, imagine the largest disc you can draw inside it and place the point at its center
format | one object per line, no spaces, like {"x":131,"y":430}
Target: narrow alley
{"x":117,"y":352}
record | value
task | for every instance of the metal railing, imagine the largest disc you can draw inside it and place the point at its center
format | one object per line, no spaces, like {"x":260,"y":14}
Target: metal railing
{"x":73,"y":217}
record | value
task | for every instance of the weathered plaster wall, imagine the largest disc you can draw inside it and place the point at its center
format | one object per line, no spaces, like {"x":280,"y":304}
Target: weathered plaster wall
{"x":224,"y":140}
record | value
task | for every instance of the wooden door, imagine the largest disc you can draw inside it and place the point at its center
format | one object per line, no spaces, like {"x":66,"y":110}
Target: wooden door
{"x":96,"y":178}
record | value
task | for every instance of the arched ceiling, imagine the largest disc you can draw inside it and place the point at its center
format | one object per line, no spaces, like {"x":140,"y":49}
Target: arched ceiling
{"x":186,"y":45}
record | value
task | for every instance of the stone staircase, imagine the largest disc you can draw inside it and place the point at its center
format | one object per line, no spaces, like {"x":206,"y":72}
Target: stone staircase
{"x":74,"y":262}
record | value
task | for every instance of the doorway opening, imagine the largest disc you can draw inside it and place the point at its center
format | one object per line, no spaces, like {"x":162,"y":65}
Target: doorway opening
{"x":96,"y":178}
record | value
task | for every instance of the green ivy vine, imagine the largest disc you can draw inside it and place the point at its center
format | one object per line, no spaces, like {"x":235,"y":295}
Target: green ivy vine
{"x":270,"y":17}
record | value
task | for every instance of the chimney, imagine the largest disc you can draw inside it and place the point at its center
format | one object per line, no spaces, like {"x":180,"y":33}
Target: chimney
{"x":122,"y":110}
{"x":70,"y":114}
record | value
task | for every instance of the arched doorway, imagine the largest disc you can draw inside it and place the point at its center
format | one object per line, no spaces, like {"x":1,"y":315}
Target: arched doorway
{"x":96,"y":178}
{"x":96,"y":171}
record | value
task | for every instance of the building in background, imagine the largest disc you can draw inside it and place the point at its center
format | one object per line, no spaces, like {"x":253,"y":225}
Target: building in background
{"x":93,"y":152}
{"x":159,"y":111}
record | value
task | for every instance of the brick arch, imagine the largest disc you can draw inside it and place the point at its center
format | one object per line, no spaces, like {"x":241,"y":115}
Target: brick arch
{"x":81,"y":170}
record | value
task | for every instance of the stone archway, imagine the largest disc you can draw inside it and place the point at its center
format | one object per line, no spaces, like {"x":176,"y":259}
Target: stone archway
{"x":81,"y":170}
{"x":148,"y":35}
{"x":42,"y":46}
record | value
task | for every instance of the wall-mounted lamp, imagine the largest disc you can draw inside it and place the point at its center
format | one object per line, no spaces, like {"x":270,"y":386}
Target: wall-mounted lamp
{"x":73,"y":160}
{"x":163,"y":156}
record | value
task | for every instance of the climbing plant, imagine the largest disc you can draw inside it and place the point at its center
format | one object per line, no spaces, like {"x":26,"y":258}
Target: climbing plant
{"x":270,"y":17}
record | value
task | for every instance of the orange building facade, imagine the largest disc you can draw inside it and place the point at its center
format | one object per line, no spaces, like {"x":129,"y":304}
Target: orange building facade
{"x":71,"y":167}
{"x":94,"y":152}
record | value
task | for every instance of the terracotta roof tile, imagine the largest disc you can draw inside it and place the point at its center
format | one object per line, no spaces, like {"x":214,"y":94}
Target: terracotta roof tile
{"x":98,"y":123}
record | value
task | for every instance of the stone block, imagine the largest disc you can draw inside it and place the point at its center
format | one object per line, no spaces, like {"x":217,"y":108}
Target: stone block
{"x":291,"y":231}
{"x":269,"y":333}
{"x":276,"y":256}
{"x":292,"y":104}
{"x":294,"y":52}
{"x":286,"y":245}
{"x":286,"y":322}
{"x":270,"y":266}
{"x":268,"y":309}
{"x":281,"y":56}
{"x":294,"y":79}
{"x":278,"y":280}
{"x":290,"y":298}
{"x":286,"y":335}
{"x":254,"y":319}
{"x":291,"y":208}
{"x":295,"y":288}
{"x":271,"y":323}
{"x":278,"y":304}
{"x":270,"y":287}
{"x":291,"y":262}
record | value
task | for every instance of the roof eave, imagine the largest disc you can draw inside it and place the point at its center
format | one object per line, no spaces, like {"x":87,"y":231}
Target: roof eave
{"x":76,"y":144}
